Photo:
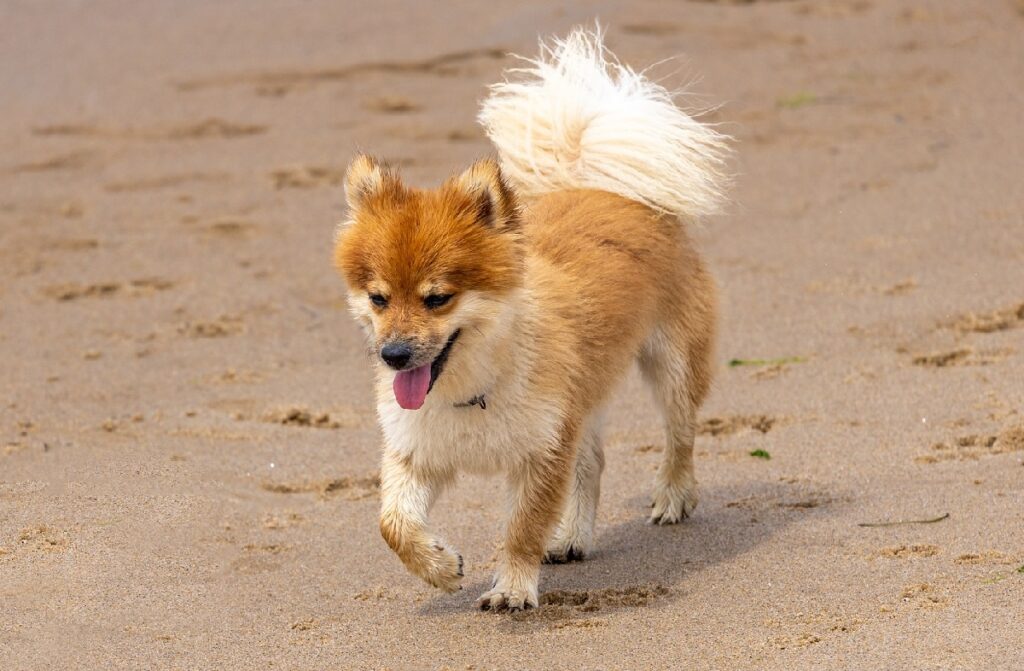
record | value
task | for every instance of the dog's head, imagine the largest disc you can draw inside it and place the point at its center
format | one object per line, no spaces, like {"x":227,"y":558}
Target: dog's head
{"x":424,"y":268}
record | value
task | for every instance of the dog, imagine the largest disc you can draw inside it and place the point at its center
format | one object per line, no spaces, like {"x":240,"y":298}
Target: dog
{"x":503,"y":307}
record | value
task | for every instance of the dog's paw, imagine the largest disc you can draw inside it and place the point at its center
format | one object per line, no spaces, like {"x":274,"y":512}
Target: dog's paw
{"x":571,"y":541}
{"x":674,"y":502}
{"x":564,"y":555}
{"x":507,"y":599}
{"x":442,"y":568}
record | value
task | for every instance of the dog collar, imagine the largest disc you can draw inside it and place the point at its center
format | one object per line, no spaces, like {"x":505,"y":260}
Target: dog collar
{"x":476,"y":400}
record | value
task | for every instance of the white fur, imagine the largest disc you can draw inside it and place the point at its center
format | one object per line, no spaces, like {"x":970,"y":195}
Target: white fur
{"x":580,"y":119}
{"x":575,"y":531}
{"x":668,"y":373}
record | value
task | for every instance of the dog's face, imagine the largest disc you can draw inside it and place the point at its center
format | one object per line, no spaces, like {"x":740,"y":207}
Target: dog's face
{"x":423,"y":266}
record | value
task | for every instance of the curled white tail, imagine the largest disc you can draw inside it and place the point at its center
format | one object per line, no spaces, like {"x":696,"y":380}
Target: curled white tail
{"x":577,"y":118}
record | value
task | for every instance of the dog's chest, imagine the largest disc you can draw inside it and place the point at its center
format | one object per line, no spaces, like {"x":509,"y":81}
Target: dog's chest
{"x":471,"y":438}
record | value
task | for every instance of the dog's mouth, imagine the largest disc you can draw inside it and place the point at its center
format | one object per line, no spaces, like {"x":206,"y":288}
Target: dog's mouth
{"x":412,"y":386}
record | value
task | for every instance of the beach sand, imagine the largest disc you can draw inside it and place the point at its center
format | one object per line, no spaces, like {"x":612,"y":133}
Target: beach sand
{"x":188,"y":447}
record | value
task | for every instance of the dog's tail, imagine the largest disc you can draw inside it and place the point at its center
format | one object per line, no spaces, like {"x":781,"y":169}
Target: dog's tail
{"x":577,"y":118}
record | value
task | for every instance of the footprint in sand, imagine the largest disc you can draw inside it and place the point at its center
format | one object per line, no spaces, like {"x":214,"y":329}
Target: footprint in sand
{"x":923,"y":595}
{"x":464,"y":135}
{"x":962,"y":356}
{"x":798,"y":641}
{"x":732,"y":37}
{"x":164,"y":181}
{"x":431,"y":134}
{"x":571,"y":608}
{"x":799,"y":495}
{"x":310,"y":176}
{"x":988,"y":322}
{"x":846,"y":286}
{"x":985,"y":557}
{"x":972,"y":447}
{"x":733,"y":424}
{"x":307,"y":176}
{"x":42,"y":538}
{"x":378,"y":593}
{"x":769,"y":372}
{"x":199,"y":130}
{"x":906,"y":552}
{"x":836,"y":9}
{"x":267,"y":548}
{"x":233,"y":376}
{"x":221,"y":327}
{"x":229,"y":228}
{"x":657,"y":28}
{"x":812,"y":627}
{"x":28,"y":255}
{"x":254,"y":564}
{"x":349,"y":488}
{"x":74,"y":160}
{"x":283,"y":520}
{"x":391,"y":105}
{"x":276,"y":84}
{"x":141,"y":287}
{"x":300,"y":416}
{"x":900,"y":288}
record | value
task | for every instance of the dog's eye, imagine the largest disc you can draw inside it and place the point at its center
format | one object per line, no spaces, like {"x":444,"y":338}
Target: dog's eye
{"x":436,"y":300}
{"x":378,"y":300}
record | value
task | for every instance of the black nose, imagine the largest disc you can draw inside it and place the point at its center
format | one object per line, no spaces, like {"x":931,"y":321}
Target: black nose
{"x":396,"y":354}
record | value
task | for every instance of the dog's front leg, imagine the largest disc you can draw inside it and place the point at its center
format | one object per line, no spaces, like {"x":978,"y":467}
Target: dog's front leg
{"x":538,"y":490}
{"x":407,"y":493}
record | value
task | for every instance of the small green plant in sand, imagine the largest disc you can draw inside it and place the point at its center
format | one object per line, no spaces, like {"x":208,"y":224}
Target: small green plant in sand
{"x":796,"y":100}
{"x":733,"y":363}
{"x":1021,"y":569}
{"x":761,"y":454}
{"x":997,"y":578}
{"x":896,"y":523}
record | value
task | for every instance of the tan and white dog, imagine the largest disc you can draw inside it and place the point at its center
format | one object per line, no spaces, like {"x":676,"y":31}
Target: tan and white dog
{"x":504,"y":306}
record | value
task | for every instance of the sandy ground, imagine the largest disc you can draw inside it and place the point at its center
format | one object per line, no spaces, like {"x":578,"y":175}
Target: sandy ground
{"x":187,"y":439}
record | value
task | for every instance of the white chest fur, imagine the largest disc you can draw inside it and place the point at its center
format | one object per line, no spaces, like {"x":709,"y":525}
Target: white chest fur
{"x":441,"y":435}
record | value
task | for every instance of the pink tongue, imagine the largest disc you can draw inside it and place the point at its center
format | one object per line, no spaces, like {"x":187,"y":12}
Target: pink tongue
{"x":411,"y":387}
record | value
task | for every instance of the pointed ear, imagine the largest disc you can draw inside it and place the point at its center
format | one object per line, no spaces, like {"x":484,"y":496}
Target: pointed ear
{"x":366,"y":179}
{"x":495,"y":203}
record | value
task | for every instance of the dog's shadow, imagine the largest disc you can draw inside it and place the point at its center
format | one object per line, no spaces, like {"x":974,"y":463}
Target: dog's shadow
{"x":637,"y":564}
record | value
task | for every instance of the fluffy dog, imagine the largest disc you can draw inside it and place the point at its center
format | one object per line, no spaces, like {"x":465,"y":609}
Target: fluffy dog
{"x":504,"y":306}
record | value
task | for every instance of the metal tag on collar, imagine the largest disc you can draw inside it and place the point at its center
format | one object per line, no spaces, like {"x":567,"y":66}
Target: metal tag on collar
{"x":476,"y":400}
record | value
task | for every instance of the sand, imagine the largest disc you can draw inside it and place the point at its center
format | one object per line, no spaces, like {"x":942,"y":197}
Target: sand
{"x":188,"y":447}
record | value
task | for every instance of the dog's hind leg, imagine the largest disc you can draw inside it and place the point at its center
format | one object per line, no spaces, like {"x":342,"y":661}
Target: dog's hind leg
{"x":574,"y":537}
{"x":676,"y":361}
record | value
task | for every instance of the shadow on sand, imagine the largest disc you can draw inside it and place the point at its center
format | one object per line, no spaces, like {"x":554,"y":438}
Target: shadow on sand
{"x":638,"y":564}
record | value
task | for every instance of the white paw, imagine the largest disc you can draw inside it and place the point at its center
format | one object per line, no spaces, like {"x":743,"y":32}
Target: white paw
{"x":441,"y":568}
{"x":565,"y":548}
{"x":512,"y":599}
{"x":673,"y":502}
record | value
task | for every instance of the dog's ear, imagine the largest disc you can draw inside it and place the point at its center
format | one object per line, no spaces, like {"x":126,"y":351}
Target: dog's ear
{"x":368,"y":179}
{"x":494,"y":202}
